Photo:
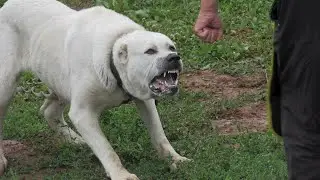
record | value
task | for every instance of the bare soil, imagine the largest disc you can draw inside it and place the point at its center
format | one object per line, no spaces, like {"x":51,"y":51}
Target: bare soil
{"x":21,"y":154}
{"x":221,"y":85}
{"x":250,"y":118}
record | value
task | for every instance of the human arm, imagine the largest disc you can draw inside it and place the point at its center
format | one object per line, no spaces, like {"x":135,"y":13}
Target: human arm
{"x":208,"y":26}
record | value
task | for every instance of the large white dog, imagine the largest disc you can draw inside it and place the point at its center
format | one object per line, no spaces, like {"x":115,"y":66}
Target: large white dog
{"x":93,"y":59}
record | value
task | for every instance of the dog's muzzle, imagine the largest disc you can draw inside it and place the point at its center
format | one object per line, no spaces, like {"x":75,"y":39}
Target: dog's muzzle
{"x":174,"y":62}
{"x":167,"y":81}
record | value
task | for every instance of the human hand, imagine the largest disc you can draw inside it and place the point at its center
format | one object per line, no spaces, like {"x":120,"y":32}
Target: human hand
{"x":208,"y":26}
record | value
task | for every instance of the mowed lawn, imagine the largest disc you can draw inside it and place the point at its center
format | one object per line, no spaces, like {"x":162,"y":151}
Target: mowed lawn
{"x":218,"y":119}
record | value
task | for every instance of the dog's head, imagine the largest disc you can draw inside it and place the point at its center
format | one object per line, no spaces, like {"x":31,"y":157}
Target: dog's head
{"x":148,"y":64}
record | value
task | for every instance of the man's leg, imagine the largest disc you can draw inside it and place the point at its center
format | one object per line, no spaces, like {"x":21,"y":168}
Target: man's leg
{"x":274,"y":87}
{"x":300,"y":110}
{"x":303,"y":157}
{"x":297,"y":46}
{"x":274,"y":95}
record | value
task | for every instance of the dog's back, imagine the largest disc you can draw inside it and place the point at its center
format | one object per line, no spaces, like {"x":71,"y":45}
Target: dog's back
{"x":27,"y":15}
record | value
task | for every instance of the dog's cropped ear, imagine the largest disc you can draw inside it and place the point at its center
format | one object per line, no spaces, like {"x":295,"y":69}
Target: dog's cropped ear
{"x":123,"y":53}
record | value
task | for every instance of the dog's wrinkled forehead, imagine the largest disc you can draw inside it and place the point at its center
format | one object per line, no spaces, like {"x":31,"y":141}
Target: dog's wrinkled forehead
{"x":143,"y":40}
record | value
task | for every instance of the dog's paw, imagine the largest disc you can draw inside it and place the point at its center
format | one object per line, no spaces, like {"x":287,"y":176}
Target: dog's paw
{"x":132,"y":177}
{"x":3,"y":164}
{"x":78,"y":140}
{"x":75,"y":140}
{"x":126,"y":176}
{"x":178,"y":160}
{"x":69,"y":136}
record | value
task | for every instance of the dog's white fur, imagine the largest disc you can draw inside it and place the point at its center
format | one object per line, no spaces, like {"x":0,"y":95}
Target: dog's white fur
{"x":70,"y":51}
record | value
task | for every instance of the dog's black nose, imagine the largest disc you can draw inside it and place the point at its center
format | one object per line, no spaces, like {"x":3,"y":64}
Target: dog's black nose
{"x":173,"y":57}
{"x":173,"y":62}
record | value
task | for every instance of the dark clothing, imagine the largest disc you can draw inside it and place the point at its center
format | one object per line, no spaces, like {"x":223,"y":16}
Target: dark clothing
{"x":295,"y":90}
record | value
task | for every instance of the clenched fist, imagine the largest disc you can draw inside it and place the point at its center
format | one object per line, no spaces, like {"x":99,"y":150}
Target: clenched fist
{"x":208,"y":27}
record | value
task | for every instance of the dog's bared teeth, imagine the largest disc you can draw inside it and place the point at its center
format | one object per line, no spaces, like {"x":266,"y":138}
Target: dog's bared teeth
{"x":151,"y":86}
{"x":173,"y":71}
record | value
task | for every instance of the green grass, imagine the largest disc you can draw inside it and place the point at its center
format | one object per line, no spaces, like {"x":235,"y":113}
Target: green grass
{"x":245,"y":49}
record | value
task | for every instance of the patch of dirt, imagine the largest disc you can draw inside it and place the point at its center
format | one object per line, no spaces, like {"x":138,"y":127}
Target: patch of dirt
{"x":23,"y":155}
{"x":12,"y":147}
{"x":40,"y":174}
{"x":250,"y":118}
{"x":222,"y":85}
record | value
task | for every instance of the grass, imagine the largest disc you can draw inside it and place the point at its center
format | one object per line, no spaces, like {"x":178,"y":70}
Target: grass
{"x":245,"y":49}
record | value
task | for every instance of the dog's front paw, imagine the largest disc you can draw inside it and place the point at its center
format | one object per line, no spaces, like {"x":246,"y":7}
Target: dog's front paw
{"x":69,"y":136}
{"x":3,"y":164}
{"x":178,"y":160}
{"x":126,"y":176}
{"x":77,"y":140}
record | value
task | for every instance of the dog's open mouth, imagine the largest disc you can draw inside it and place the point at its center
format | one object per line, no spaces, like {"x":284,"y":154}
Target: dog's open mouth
{"x":165,"y":83}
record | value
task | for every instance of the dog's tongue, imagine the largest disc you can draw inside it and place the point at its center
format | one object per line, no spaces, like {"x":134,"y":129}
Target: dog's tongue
{"x":163,"y":83}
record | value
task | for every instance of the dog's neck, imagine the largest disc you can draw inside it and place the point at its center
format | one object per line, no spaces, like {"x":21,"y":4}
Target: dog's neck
{"x":118,"y":78}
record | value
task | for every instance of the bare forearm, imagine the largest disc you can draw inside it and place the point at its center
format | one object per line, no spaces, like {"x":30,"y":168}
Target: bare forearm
{"x":209,"y":5}
{"x":208,"y":26}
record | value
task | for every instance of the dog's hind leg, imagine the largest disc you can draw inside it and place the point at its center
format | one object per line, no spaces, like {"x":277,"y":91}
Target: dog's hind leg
{"x":53,"y":109}
{"x":6,"y":92}
{"x":9,"y":72}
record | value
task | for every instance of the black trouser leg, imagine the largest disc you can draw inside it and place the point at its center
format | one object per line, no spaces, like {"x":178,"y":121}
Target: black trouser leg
{"x":274,"y":97}
{"x":297,"y":46}
{"x":300,"y":109}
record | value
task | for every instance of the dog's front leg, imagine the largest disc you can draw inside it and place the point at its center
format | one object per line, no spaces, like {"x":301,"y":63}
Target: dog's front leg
{"x":150,"y":116}
{"x":85,"y":120}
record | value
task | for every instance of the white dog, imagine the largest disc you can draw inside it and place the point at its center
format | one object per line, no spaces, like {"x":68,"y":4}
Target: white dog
{"x":93,"y":59}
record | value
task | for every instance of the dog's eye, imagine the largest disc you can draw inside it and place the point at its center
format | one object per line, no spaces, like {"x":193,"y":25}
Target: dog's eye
{"x":150,"y":51}
{"x":172,"y":48}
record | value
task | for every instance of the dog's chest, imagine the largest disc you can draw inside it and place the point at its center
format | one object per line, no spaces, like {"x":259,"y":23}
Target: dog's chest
{"x":110,"y":100}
